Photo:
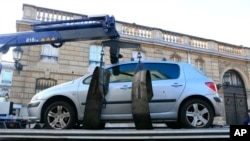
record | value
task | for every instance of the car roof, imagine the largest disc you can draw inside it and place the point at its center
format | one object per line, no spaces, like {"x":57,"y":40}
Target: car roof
{"x":144,"y":61}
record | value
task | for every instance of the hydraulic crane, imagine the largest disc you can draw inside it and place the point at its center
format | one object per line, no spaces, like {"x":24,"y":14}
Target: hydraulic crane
{"x":58,"y":32}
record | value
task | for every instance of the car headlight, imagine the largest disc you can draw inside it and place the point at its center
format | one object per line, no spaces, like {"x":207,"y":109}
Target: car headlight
{"x":34,"y":102}
{"x":36,"y":97}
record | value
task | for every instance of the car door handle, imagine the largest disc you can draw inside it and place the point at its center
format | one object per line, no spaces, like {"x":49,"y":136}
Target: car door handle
{"x":176,"y":85}
{"x":125,"y":87}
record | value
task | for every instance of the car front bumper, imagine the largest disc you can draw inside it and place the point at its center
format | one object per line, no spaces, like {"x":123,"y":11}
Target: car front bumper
{"x":34,"y":109}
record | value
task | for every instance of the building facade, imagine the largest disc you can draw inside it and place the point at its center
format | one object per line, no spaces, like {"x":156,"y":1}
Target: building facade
{"x":45,"y":66}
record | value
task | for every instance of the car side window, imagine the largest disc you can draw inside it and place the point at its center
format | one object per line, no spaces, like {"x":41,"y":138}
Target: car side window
{"x":121,"y":77}
{"x":156,"y":75}
{"x":158,"y":71}
{"x":123,"y":73}
{"x":87,"y":80}
{"x":162,"y":71}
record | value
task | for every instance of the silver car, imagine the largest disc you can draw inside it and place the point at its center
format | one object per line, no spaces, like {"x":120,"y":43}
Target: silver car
{"x":182,"y":97}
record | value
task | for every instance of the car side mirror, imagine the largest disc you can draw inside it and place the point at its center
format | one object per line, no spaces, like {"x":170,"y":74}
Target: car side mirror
{"x":218,"y":86}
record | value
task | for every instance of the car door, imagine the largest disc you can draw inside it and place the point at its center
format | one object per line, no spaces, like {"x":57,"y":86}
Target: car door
{"x":118,"y":99}
{"x":83,"y":91}
{"x":167,"y":83}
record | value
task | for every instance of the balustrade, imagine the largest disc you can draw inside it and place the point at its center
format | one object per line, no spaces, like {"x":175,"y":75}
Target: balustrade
{"x":230,"y":49}
{"x":170,"y":37}
{"x":138,"y":31}
{"x":199,"y":43}
{"x":45,"y":14}
{"x":167,"y":36}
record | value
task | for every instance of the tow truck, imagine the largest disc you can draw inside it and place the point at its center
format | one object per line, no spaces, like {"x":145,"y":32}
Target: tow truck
{"x":102,"y":28}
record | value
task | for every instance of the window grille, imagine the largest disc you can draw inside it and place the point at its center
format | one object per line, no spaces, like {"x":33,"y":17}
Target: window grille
{"x":44,"y":83}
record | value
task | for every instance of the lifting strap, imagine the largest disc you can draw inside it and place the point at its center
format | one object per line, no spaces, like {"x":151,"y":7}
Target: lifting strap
{"x":139,"y":65}
{"x":142,"y":93}
{"x":94,"y":102}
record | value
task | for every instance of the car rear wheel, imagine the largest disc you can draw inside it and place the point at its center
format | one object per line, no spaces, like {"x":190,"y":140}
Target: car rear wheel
{"x":59,"y":115}
{"x":196,"y":113}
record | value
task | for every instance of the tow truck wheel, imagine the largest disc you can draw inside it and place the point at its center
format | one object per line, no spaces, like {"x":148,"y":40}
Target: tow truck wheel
{"x":59,"y":115}
{"x":196,"y":113}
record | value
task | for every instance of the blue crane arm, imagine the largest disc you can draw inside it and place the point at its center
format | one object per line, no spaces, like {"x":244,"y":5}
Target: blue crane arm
{"x":58,"y":32}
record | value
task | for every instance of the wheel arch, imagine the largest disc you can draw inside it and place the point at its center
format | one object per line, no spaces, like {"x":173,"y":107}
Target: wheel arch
{"x":195,"y":97}
{"x":57,"y":98}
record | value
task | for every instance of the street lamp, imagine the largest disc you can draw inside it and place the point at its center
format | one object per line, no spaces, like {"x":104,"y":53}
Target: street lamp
{"x":17,"y":55}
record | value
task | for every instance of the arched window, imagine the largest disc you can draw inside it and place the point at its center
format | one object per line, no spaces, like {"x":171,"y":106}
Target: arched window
{"x":49,"y":53}
{"x":232,"y":78}
{"x":44,"y":83}
{"x":175,"y":57}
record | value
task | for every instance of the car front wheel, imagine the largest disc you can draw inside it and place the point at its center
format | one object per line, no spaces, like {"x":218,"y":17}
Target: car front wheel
{"x":59,"y":115}
{"x":196,"y":113}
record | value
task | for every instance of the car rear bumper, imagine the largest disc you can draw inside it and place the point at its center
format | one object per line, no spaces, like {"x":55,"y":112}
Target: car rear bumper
{"x":218,"y":104}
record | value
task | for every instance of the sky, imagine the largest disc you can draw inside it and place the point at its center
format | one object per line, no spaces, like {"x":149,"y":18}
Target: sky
{"x":220,"y":20}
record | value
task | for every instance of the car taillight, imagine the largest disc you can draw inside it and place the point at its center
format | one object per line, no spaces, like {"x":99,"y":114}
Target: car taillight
{"x":212,"y":86}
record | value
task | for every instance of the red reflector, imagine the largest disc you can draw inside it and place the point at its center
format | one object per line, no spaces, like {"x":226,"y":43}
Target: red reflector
{"x":212,"y":86}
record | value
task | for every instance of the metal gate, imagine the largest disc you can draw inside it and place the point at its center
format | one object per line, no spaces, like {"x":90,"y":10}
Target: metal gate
{"x":235,"y":98}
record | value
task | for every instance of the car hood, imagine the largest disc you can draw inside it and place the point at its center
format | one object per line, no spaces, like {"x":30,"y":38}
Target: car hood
{"x":63,"y":88}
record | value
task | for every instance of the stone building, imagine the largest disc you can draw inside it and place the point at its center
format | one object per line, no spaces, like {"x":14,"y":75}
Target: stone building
{"x":45,"y":66}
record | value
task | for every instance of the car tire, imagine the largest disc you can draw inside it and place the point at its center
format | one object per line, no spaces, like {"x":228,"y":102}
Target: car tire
{"x":59,"y":115}
{"x":196,"y":113}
